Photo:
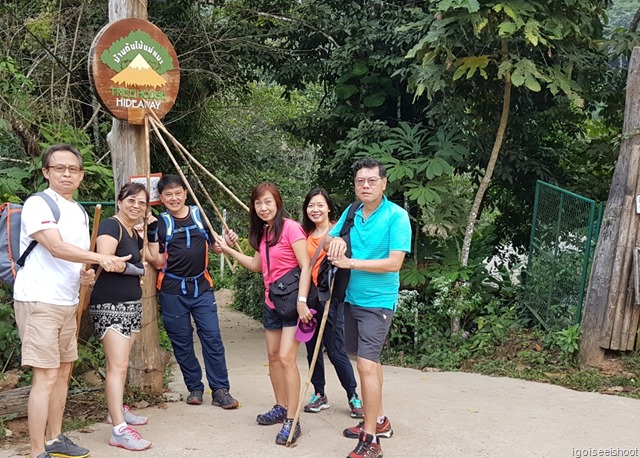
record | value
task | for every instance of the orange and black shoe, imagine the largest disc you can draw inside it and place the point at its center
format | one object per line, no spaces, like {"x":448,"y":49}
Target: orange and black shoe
{"x":382,"y":430}
{"x":366,"y":447}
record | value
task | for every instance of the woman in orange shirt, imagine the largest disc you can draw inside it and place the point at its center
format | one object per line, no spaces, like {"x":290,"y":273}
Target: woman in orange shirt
{"x":319,"y":215}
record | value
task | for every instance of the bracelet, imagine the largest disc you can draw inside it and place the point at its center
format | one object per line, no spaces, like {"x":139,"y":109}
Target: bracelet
{"x":302,"y":299}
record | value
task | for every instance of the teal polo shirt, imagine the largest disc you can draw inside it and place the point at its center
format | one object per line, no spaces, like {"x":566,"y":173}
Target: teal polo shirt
{"x":387,"y":229}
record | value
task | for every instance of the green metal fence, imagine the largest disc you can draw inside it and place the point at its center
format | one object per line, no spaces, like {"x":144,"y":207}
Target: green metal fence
{"x":564,"y":232}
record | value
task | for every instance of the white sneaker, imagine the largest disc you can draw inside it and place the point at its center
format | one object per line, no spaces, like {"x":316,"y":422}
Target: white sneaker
{"x":130,"y":439}
{"x":130,"y":418}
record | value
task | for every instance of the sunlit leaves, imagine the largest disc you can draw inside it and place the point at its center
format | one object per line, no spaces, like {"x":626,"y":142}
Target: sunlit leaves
{"x":526,"y":73}
{"x":470,"y":65}
{"x":472,"y":6}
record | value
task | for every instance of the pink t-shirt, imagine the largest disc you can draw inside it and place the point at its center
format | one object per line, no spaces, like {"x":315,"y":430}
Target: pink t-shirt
{"x":281,"y":256}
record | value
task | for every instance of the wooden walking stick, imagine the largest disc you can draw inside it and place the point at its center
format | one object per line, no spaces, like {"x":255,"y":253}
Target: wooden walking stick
{"x":316,"y":350}
{"x":85,"y":290}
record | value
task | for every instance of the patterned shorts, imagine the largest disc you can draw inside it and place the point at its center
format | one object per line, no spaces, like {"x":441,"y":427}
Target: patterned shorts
{"x":122,"y":317}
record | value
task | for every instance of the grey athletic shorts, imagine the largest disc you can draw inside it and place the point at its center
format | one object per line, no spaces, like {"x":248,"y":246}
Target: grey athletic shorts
{"x":365,"y":330}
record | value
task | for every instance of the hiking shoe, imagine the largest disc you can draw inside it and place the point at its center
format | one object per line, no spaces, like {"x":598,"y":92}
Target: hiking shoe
{"x":382,"y":430}
{"x":317,"y":403}
{"x":130,"y":418}
{"x":65,"y":448}
{"x":283,"y":435}
{"x":195,"y":397}
{"x":366,"y":448}
{"x":277,"y":414}
{"x":355,"y":407}
{"x":42,"y":455}
{"x":130,"y":439}
{"x":222,"y":398}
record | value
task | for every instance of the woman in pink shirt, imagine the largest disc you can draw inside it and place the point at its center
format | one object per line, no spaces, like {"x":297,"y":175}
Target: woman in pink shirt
{"x":287,"y":248}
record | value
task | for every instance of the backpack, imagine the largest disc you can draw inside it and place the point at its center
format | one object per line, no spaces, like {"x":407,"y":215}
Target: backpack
{"x":327,"y":270}
{"x":171,"y":231}
{"x":10,"y":217}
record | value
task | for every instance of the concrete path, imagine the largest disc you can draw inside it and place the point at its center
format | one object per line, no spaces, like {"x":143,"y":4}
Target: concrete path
{"x":432,"y":414}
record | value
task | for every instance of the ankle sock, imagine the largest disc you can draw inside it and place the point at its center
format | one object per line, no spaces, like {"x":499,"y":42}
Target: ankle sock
{"x":381,"y":419}
{"x":117,"y":430}
{"x":51,"y":441}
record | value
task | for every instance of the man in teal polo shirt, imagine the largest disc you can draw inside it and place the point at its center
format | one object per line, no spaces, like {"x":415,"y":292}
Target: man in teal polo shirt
{"x":380,"y":239}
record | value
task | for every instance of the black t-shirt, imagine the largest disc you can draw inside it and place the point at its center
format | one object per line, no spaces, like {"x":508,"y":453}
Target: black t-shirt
{"x":182,"y":261}
{"x":115,"y":287}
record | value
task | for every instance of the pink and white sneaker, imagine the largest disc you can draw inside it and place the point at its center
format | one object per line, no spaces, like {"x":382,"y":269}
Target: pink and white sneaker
{"x":130,"y":418}
{"x":129,"y":439}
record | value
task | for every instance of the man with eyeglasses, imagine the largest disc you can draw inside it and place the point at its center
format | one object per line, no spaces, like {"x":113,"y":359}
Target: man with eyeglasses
{"x":380,"y":239}
{"x":46,"y":296}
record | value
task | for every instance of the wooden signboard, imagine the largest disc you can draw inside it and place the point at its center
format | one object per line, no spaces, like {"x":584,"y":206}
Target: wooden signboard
{"x":133,"y":67}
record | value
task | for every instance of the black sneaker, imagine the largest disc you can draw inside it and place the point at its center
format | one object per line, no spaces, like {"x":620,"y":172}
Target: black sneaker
{"x":283,"y":435}
{"x":366,"y":448}
{"x":64,"y":447}
{"x":276,"y":414}
{"x":195,"y":397}
{"x":222,"y":398}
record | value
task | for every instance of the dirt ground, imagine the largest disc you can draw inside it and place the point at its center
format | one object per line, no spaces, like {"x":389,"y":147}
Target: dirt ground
{"x":433,"y":414}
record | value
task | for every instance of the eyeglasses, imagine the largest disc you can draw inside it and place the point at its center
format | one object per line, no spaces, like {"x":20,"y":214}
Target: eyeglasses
{"x":371,"y":180}
{"x":59,"y":168}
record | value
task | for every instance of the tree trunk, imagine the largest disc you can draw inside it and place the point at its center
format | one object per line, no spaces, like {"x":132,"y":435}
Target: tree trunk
{"x":603,"y":322}
{"x":129,"y":154}
{"x":14,"y":402}
{"x":486,"y":179}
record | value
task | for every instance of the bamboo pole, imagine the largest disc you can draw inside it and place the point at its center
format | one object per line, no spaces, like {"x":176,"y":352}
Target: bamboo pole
{"x":155,"y":126}
{"x":314,"y":359}
{"x":194,"y":160}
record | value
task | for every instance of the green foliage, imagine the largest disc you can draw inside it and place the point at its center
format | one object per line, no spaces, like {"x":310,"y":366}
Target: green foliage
{"x":249,"y":296}
{"x":568,"y":341}
{"x":9,"y":336}
{"x":90,"y":356}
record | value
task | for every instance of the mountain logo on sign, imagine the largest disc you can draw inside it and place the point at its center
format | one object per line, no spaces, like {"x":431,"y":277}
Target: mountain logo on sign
{"x":139,"y":73}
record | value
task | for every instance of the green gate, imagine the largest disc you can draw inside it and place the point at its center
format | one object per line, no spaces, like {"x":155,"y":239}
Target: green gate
{"x":564,"y":232}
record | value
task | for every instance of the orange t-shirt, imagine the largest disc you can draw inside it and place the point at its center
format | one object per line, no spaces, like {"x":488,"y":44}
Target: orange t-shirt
{"x":312,"y":245}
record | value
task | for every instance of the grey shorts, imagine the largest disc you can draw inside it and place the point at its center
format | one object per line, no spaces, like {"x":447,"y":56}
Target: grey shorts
{"x":365,"y":330}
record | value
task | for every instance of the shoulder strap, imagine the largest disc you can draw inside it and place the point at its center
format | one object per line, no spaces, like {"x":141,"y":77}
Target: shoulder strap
{"x":317,"y":253}
{"x":168,"y":221}
{"x":119,"y":227}
{"x":56,"y":216}
{"x":348,"y":222}
{"x":52,"y":204}
{"x":196,"y":216}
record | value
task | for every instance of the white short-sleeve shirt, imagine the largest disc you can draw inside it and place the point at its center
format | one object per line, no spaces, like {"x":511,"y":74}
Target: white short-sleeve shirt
{"x":43,"y":277}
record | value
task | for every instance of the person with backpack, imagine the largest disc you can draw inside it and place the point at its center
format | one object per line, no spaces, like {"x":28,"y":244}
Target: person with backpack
{"x":179,"y":248}
{"x":280,"y":245}
{"x":115,"y":308}
{"x":318,"y":216}
{"x":380,"y":237}
{"x":45,"y":293}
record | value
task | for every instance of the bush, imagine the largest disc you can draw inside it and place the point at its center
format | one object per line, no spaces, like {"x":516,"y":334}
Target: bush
{"x":249,"y":297}
{"x":9,"y":336}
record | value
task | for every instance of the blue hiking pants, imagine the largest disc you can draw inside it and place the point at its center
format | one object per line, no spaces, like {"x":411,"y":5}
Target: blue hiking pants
{"x":177,"y":311}
{"x":333,"y":341}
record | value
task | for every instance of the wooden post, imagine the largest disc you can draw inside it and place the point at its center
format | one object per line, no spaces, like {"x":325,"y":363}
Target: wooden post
{"x":128,"y":151}
{"x":607,"y":306}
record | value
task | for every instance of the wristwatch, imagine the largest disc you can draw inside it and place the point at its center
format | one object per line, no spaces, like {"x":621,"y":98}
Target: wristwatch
{"x":302,"y":299}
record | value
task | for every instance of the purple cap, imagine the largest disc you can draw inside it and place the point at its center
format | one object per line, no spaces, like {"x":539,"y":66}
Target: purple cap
{"x":305,"y":331}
